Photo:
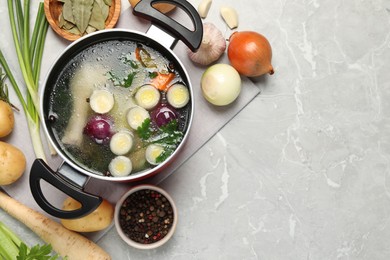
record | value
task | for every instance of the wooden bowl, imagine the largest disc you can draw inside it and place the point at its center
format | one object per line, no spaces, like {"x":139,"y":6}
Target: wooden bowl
{"x":53,"y":9}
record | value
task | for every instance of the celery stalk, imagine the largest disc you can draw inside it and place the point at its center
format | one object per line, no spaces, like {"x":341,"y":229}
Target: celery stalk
{"x":9,"y":243}
{"x":12,"y":247}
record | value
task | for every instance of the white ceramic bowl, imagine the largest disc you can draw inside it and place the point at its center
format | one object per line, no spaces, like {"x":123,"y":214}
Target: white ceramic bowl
{"x":122,"y":233}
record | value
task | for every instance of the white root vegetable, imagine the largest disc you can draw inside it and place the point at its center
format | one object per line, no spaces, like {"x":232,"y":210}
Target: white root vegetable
{"x":230,"y":16}
{"x":63,"y":241}
{"x":82,"y":86}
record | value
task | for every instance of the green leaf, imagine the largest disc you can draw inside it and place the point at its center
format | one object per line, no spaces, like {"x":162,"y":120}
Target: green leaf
{"x":37,"y":252}
{"x":127,"y":59}
{"x":3,"y":88}
{"x":11,"y":247}
{"x":108,"y":2}
{"x":97,"y":20}
{"x":23,"y":251}
{"x":129,"y":80}
{"x":144,"y":130}
{"x":153,"y":74}
{"x":82,"y":11}
{"x":74,"y":30}
{"x":105,"y":9}
{"x":67,"y":11}
{"x":167,"y":136}
{"x":90,"y":29}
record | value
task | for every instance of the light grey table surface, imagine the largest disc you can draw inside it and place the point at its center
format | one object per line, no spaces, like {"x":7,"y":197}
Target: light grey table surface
{"x":302,"y":172}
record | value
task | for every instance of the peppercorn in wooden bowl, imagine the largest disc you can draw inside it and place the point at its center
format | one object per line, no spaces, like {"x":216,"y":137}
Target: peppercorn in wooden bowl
{"x":72,"y":22}
{"x":145,"y":217}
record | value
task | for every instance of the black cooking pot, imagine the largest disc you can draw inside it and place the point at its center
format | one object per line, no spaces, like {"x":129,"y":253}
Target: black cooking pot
{"x":71,"y":177}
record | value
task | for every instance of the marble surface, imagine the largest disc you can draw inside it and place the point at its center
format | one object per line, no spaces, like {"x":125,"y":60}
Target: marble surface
{"x":303,"y":171}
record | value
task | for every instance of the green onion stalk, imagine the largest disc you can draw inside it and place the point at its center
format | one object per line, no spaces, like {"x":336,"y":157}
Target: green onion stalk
{"x":29,"y":51}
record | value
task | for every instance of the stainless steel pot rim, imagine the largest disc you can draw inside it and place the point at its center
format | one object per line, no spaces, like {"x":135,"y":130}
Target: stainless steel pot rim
{"x":138,"y":175}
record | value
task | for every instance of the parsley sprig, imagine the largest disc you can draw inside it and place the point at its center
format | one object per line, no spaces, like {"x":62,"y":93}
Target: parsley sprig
{"x":12,"y":247}
{"x":37,"y":252}
{"x":167,"y":136}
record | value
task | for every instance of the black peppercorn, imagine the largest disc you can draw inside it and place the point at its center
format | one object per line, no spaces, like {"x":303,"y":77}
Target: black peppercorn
{"x":146,"y":216}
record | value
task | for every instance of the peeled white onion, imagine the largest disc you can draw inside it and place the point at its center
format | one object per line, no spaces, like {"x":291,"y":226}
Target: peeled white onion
{"x":221,"y":84}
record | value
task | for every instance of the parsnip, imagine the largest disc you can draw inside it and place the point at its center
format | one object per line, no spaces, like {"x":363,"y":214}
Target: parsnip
{"x":82,"y":86}
{"x":63,"y":241}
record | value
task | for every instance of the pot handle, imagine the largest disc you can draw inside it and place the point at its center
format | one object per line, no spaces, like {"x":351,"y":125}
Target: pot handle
{"x":192,"y":39}
{"x":40,"y":170}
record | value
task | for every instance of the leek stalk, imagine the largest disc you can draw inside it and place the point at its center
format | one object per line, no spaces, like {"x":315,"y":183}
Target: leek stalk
{"x":29,"y":52}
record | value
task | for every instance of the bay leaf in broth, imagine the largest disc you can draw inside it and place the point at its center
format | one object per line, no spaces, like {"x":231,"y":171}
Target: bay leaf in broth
{"x":82,"y":11}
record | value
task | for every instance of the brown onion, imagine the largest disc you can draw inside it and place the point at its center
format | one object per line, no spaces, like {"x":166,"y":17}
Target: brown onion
{"x":250,"y":53}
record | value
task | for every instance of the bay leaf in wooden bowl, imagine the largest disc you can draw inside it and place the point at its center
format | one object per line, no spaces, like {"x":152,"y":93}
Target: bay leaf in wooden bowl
{"x":54,"y":11}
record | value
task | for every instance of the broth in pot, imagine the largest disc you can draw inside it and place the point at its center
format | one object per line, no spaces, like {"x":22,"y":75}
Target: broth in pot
{"x":118,"y":108}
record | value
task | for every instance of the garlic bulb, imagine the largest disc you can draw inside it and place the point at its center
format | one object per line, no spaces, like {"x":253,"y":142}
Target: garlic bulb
{"x":212,"y":47}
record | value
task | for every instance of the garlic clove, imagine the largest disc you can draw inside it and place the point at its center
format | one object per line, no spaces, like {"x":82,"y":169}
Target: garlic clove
{"x":230,"y":16}
{"x":212,"y":47}
{"x":204,"y":7}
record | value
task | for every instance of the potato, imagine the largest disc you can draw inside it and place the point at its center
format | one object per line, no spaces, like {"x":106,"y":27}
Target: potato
{"x":162,"y":7}
{"x":12,"y":163}
{"x":7,"y":119}
{"x":99,"y":219}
